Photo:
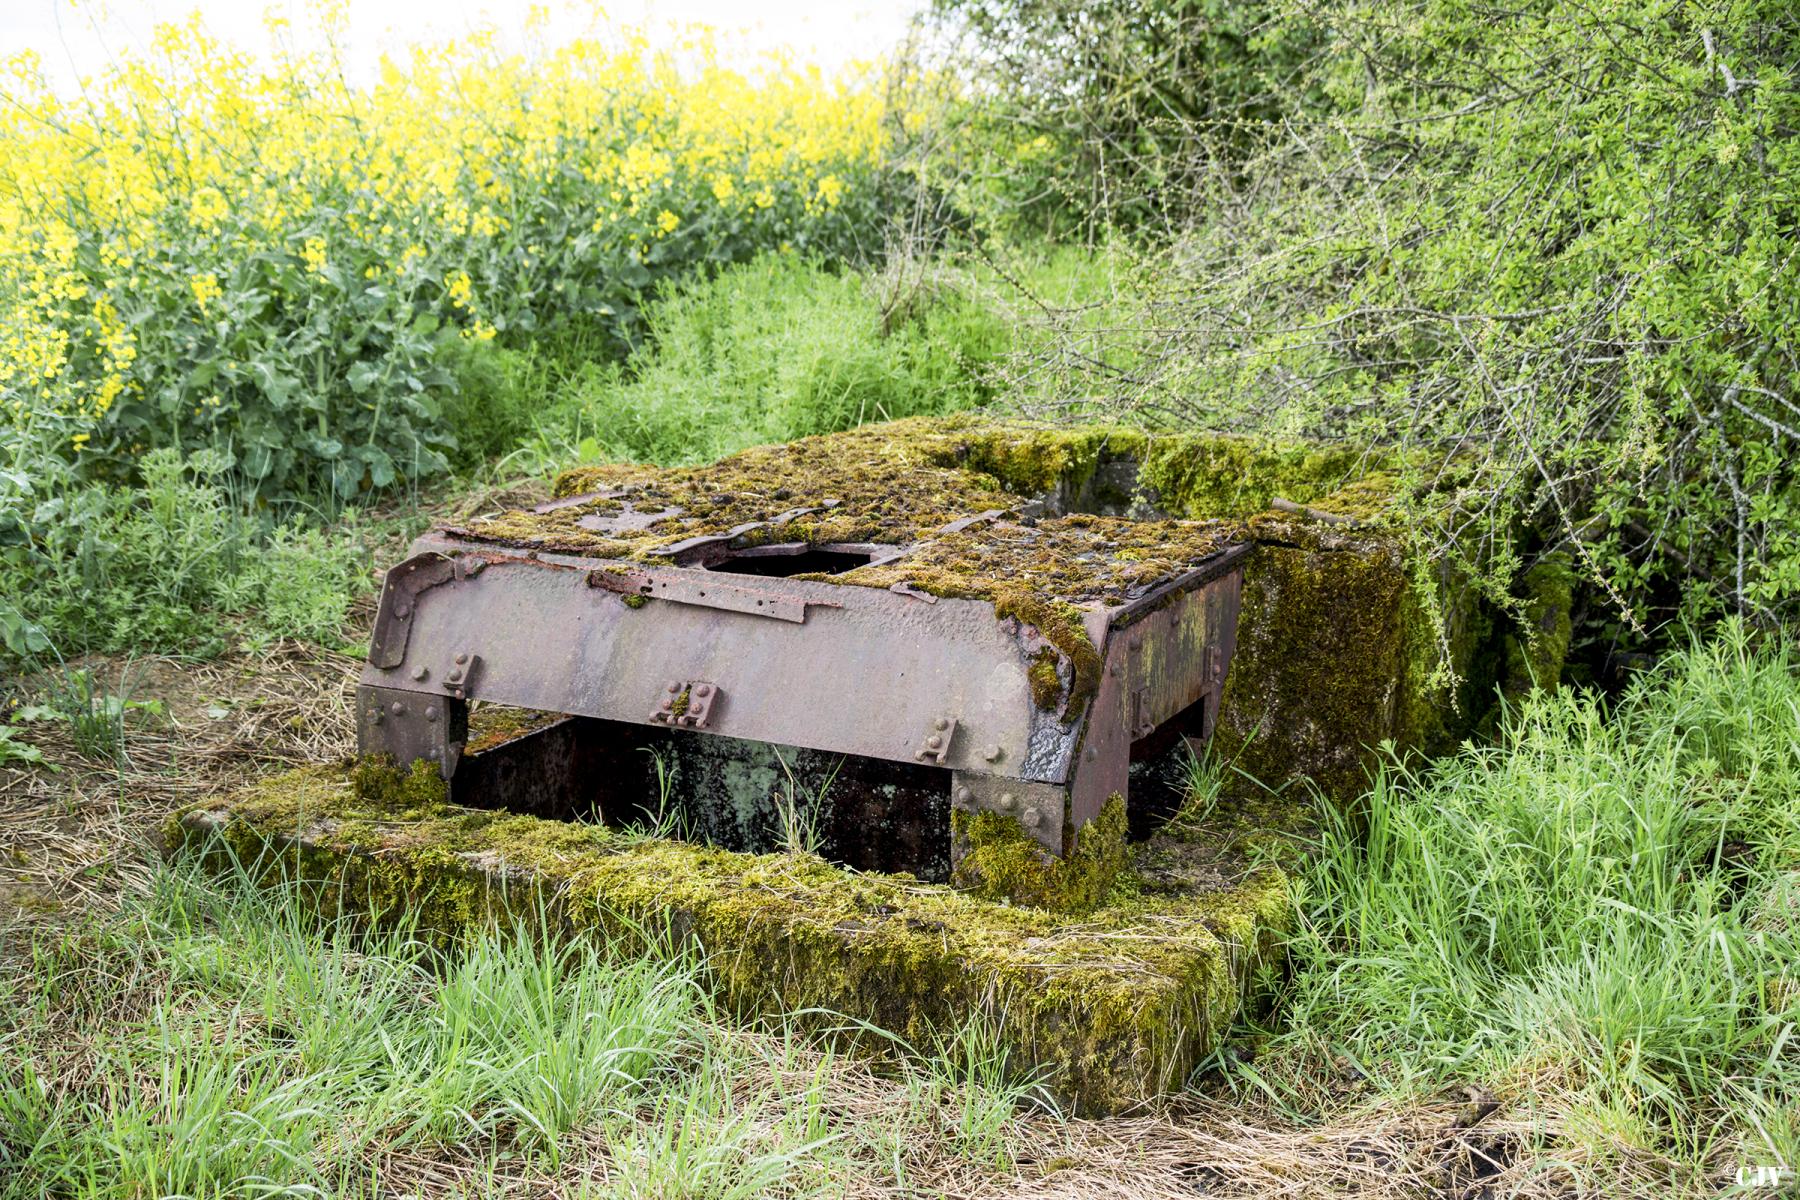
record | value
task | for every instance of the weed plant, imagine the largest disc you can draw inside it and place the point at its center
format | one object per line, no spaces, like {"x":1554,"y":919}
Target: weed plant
{"x":110,"y":567}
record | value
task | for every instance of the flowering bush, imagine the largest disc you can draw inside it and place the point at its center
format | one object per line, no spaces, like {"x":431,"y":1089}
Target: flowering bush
{"x":269,"y":263}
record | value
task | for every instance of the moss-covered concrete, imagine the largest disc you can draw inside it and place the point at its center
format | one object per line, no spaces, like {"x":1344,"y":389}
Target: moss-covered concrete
{"x":1537,"y":648}
{"x":1111,"y":1008}
{"x":1328,"y":655}
{"x":1000,"y":860}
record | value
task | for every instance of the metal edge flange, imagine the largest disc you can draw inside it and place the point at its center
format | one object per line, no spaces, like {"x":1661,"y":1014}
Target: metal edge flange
{"x":1041,"y":808}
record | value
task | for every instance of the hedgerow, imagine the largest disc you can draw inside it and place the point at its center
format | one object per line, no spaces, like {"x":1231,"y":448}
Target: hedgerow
{"x":1556,"y":242}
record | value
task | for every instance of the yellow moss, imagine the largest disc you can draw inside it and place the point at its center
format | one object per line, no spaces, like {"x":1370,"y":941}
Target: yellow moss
{"x":999,"y":860}
{"x":894,"y":484}
{"x":492,"y":725}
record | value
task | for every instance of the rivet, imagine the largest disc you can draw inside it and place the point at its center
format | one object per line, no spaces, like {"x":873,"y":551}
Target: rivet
{"x":673,"y":688}
{"x":1092,"y":754}
{"x":940,"y":723}
{"x":431,"y":712}
{"x":1032,"y":818}
{"x":454,"y":677}
{"x":703,"y":691}
{"x":419,"y":673}
{"x":992,"y":753}
{"x":934,"y":741}
{"x":667,"y":705}
{"x":462,"y":658}
{"x":1008,"y":801}
{"x":403,"y":610}
{"x":397,"y":708}
{"x":963,"y":795}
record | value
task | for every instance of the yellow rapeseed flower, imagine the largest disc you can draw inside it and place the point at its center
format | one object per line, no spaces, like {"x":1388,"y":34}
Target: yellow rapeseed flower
{"x":461,"y":288}
{"x":206,"y":288}
{"x":313,"y":254}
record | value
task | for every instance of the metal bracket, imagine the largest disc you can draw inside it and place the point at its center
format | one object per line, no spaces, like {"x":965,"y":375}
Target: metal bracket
{"x":411,"y":725}
{"x":461,"y":675}
{"x":936,"y":746}
{"x":400,"y":599}
{"x":699,"y":697}
{"x":1141,"y":724}
{"x":707,"y":593}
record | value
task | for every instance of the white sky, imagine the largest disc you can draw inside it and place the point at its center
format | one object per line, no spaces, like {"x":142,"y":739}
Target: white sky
{"x":75,"y":38}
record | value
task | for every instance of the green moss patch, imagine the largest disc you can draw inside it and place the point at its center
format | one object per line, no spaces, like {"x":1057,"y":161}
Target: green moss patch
{"x":1110,"y":1008}
{"x":1001,"y":861}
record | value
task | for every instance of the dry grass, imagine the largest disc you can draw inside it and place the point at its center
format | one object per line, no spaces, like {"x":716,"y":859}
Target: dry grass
{"x":77,"y":832}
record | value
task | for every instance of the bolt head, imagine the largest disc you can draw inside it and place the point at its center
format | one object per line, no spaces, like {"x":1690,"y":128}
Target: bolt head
{"x":992,"y":753}
{"x":419,"y":673}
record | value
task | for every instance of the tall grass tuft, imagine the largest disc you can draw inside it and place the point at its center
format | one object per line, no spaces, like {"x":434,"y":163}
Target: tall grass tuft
{"x":1605,"y":896}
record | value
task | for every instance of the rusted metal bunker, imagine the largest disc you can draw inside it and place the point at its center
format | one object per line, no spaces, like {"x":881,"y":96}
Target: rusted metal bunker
{"x":953,"y":643}
{"x":961,"y":647}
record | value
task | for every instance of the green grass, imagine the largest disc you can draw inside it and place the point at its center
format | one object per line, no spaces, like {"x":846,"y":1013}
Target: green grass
{"x":155,"y":568}
{"x":213,"y":1040}
{"x":780,"y":348}
{"x":1606,"y":900}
